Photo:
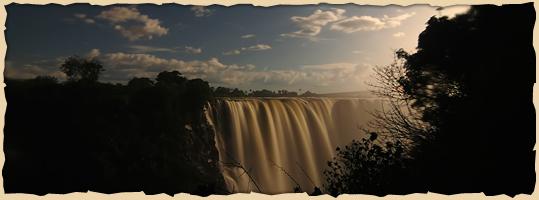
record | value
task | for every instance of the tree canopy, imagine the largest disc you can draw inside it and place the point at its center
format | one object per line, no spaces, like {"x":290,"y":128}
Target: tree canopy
{"x":80,"y":69}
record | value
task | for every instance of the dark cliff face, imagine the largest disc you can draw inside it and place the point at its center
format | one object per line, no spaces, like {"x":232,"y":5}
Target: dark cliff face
{"x":206,"y":157}
{"x":69,"y":137}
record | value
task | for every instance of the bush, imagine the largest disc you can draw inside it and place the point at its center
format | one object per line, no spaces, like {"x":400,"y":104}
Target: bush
{"x":367,"y":166}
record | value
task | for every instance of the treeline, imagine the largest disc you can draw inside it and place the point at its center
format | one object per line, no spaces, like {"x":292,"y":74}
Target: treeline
{"x":229,"y":92}
{"x":79,"y":135}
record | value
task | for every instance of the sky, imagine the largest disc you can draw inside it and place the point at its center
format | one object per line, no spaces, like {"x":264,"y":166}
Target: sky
{"x":321,"y":48}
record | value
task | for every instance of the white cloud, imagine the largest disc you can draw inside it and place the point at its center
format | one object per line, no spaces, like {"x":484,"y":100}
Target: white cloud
{"x":201,"y":11}
{"x":358,"y":52}
{"x":311,"y":25}
{"x":147,"y":49}
{"x":193,"y":50}
{"x":399,"y":34}
{"x":89,"y":21}
{"x":80,"y":16}
{"x":131,"y":65}
{"x":213,"y":70}
{"x":368,"y":23}
{"x":326,"y":74}
{"x":132,"y":24}
{"x":150,"y":49}
{"x":50,"y":67}
{"x":94,"y":53}
{"x":84,"y":18}
{"x":248,"y":36}
{"x":453,"y":11}
{"x":258,"y":47}
{"x":355,"y":23}
{"x":120,"y":67}
{"x":25,"y":72}
{"x":232,"y":52}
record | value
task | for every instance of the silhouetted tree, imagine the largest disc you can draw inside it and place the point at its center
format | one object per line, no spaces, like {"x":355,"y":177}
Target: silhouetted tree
{"x":262,"y":93}
{"x":82,"y":69}
{"x":380,"y":163}
{"x":472,"y":77}
{"x":398,"y":119}
{"x":172,"y":78}
{"x":140,"y":83}
{"x":222,"y":92}
{"x":309,"y":94}
{"x":110,"y":137}
{"x":367,"y":167}
{"x":471,"y":82}
{"x":199,"y":92}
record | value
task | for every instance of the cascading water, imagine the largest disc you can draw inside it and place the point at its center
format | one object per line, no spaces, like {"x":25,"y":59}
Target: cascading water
{"x":271,"y":136}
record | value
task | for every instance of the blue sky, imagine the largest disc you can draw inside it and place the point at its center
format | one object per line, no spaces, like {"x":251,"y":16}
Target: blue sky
{"x":321,"y":48}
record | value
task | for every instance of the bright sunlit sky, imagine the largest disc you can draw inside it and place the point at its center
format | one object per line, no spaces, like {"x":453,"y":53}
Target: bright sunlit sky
{"x":321,"y":48}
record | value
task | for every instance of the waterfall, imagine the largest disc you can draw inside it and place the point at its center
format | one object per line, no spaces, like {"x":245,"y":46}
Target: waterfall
{"x":271,"y":136}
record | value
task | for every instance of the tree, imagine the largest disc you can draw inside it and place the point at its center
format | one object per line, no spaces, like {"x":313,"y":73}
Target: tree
{"x":140,"y":83}
{"x":80,"y":69}
{"x":199,"y":92}
{"x":472,"y":77}
{"x":367,"y":166}
{"x":171,"y":78}
{"x":470,"y":82}
{"x":380,"y":164}
{"x":398,"y":120}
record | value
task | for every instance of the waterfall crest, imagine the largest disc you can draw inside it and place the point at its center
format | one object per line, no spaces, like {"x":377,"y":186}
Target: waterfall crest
{"x":298,"y":134}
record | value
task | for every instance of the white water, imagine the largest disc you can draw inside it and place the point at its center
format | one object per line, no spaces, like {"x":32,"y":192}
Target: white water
{"x":293,"y":133}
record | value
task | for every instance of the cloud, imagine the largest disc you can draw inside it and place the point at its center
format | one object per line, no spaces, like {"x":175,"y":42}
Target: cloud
{"x":120,"y":67}
{"x":148,"y":49}
{"x":258,"y":47}
{"x":247,"y":36}
{"x":193,"y":50}
{"x":333,"y":72}
{"x":368,"y":23}
{"x":84,"y":18}
{"x":132,"y":24}
{"x":201,"y":11}
{"x":94,"y":53}
{"x":48,"y":67}
{"x":399,"y":34}
{"x":358,"y":52}
{"x":232,"y":52}
{"x":453,"y":11}
{"x":80,"y":16}
{"x":125,"y":65}
{"x":311,"y":25}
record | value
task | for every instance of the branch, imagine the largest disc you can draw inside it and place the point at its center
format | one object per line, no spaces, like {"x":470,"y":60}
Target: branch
{"x":237,"y":164}
{"x":285,"y":172}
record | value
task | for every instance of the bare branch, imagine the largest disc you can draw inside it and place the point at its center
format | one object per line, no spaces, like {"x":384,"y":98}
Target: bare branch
{"x":285,"y":172}
{"x":237,"y":164}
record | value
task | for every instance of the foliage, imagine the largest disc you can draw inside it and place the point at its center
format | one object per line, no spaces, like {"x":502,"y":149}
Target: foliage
{"x":398,"y":119}
{"x":380,"y":164}
{"x":229,"y":92}
{"x":144,"y":136}
{"x":367,"y":167}
{"x":472,"y":78}
{"x":80,"y":69}
{"x":460,"y":106}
